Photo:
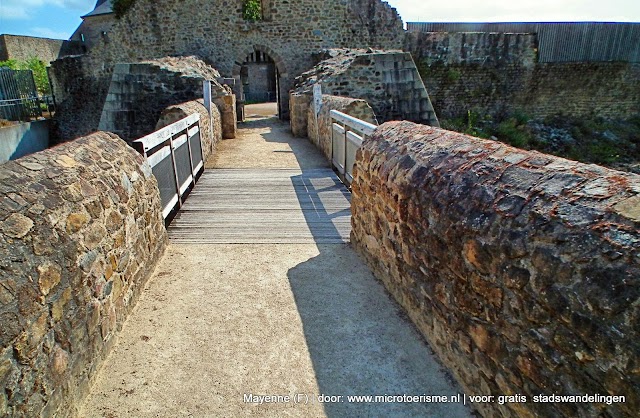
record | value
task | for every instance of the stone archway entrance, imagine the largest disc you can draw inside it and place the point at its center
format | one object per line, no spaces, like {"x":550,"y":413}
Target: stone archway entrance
{"x":258,"y":71}
{"x":258,"y":77}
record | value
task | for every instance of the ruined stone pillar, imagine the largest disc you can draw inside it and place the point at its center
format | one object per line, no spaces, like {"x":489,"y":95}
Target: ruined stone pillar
{"x":227,"y":107}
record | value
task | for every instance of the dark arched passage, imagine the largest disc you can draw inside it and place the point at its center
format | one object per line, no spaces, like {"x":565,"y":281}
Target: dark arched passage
{"x":258,"y":71}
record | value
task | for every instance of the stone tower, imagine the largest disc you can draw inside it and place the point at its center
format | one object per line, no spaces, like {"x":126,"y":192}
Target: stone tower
{"x":95,"y":25}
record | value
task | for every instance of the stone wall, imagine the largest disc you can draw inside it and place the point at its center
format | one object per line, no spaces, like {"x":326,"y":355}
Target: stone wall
{"x":299,"y":105}
{"x":22,"y":48}
{"x":80,"y":97}
{"x":80,"y":233}
{"x":228,"y":115}
{"x":321,"y":133}
{"x":521,"y":269}
{"x":138,"y":93}
{"x":260,"y":82}
{"x":576,"y":89}
{"x":94,"y":29}
{"x":498,"y":74}
{"x":218,"y":33}
{"x":472,"y":48}
{"x":210,"y":129}
{"x":388,"y":80}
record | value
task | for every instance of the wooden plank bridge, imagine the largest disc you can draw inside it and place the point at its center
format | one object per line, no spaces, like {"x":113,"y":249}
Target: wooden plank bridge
{"x":265,"y":206}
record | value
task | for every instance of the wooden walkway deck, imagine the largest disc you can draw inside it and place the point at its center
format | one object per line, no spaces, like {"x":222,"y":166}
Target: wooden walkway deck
{"x":265,"y":206}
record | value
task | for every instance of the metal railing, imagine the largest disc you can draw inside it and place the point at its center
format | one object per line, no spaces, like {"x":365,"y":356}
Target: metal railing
{"x":347,"y":134}
{"x":18,"y":95}
{"x":176,"y":159}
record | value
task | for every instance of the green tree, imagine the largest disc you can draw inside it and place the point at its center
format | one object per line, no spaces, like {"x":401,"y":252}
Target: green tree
{"x":120,"y":7}
{"x":12,"y":64}
{"x":252,"y":10}
{"x":40,"y":75}
{"x":39,"y":69}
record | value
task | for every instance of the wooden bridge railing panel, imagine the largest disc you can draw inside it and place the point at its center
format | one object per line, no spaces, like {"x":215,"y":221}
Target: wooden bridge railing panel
{"x":347,"y":136}
{"x":176,"y":159}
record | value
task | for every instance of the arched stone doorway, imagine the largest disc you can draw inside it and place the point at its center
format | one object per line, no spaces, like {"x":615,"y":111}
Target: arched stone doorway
{"x":258,"y":77}
{"x":258,"y":71}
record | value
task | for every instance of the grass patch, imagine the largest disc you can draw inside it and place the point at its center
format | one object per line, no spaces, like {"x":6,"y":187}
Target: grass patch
{"x":591,"y":140}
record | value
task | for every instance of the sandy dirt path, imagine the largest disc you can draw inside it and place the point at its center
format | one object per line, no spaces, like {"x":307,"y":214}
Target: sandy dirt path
{"x":218,"y":322}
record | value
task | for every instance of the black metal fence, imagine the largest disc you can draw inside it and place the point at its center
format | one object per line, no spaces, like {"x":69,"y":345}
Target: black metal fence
{"x":561,"y":42}
{"x":18,"y":95}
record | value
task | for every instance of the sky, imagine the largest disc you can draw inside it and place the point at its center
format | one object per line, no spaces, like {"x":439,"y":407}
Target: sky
{"x":59,"y":18}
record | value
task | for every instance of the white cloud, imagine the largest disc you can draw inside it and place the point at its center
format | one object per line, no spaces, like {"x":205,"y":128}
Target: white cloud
{"x":22,"y":9}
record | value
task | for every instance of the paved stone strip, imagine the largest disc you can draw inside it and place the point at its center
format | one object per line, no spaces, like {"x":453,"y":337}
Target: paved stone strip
{"x":265,"y":206}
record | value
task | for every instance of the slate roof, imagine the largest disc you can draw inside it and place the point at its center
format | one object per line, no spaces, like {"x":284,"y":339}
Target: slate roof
{"x":103,"y":7}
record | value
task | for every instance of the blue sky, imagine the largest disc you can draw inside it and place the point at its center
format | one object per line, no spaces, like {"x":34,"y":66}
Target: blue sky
{"x":59,"y":18}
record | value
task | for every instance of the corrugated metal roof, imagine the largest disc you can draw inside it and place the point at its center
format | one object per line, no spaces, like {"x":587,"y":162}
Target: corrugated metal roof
{"x":561,"y":42}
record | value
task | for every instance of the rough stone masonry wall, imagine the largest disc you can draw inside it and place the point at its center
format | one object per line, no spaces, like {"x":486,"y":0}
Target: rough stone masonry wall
{"x":216,"y":31}
{"x":80,"y":233}
{"x":80,"y":97}
{"x":92,"y":30}
{"x":299,"y":105}
{"x":472,"y":48}
{"x":138,"y":93}
{"x":388,"y":80}
{"x":521,"y":269}
{"x":498,"y":74}
{"x":321,"y":133}
{"x":210,"y":130}
{"x":22,"y":48}
{"x":576,"y":89}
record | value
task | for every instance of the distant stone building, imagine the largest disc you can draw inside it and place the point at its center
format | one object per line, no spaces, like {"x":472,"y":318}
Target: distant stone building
{"x":95,"y":25}
{"x":288,"y":33}
{"x":22,"y":48}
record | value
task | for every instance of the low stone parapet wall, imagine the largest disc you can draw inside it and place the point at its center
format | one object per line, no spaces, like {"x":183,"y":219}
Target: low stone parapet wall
{"x":521,"y":269}
{"x":81,"y":231}
{"x":320,"y":133}
{"x":211,"y":129}
{"x":299,"y":105}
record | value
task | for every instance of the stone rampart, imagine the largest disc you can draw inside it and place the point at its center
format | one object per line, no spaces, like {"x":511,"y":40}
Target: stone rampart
{"x":321,"y":134}
{"x":521,"y":269}
{"x":138,"y":93}
{"x":498,"y":74}
{"x":388,"y":80}
{"x":23,"y":48}
{"x":81,"y":231}
{"x":473,"y":48}
{"x":211,"y":130}
{"x":606,"y":89}
{"x":290,"y":33}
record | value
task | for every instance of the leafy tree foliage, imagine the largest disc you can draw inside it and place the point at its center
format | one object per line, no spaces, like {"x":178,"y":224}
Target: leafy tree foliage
{"x":39,"y":72}
{"x":120,"y":7}
{"x":252,"y":10}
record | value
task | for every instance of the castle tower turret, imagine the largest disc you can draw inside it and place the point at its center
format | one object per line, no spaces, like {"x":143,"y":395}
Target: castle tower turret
{"x":95,"y":25}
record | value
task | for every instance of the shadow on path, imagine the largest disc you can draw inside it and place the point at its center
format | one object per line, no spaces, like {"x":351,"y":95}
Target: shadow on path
{"x":359,"y":340}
